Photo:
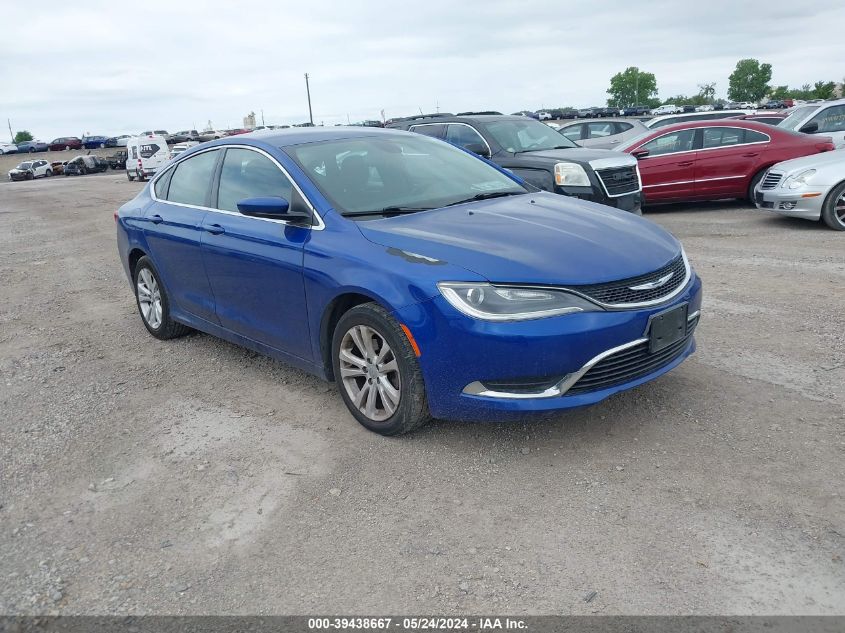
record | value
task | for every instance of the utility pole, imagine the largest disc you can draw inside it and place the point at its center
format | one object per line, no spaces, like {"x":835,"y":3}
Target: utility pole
{"x":308,"y":90}
{"x":262,"y":116}
{"x":11,"y":136}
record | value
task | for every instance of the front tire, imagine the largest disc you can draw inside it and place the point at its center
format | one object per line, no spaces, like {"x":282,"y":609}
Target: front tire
{"x":48,"y":173}
{"x":833,"y":211}
{"x":377,"y":371}
{"x":756,"y":179}
{"x":153,"y":302}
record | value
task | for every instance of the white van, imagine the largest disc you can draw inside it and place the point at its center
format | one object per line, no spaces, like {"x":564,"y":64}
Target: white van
{"x":144,"y":155}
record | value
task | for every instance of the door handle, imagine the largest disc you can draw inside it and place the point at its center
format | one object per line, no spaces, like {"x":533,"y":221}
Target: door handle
{"x":685,"y":163}
{"x":156,"y":219}
{"x":751,"y":154}
{"x":214,"y":229}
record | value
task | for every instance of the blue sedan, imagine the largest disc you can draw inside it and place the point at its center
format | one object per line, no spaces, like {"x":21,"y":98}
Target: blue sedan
{"x":424,"y":280}
{"x":29,"y":147}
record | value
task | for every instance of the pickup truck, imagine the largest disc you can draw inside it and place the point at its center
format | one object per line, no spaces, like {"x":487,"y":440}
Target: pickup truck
{"x":540,"y":156}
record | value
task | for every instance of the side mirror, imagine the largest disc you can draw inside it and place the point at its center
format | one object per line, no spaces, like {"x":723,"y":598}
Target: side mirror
{"x":640,"y":153}
{"x":272,"y":207}
{"x":477,"y":148}
{"x":810,"y":128}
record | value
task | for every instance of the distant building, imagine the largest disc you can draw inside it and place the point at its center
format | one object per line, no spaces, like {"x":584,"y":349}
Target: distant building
{"x":249,"y":121}
{"x":839,"y":90}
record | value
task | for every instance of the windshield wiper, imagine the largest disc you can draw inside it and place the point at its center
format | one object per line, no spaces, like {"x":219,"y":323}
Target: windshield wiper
{"x":543,"y":149}
{"x":393,"y":210}
{"x":487,"y":196}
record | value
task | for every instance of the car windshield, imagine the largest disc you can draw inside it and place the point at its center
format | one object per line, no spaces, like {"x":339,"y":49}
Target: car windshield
{"x":798,"y":115}
{"x":395,"y":174}
{"x":24,"y":166}
{"x":526,"y":135}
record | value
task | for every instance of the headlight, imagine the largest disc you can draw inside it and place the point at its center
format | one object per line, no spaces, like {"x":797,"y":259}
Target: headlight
{"x":799,"y":180}
{"x":498,"y":303}
{"x":571,"y":175}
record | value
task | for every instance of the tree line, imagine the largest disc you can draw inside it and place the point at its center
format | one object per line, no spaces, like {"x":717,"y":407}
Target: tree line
{"x":748,"y":82}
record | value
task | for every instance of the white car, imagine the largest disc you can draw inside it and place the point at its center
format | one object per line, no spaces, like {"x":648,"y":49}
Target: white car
{"x":181,"y":147}
{"x":543,"y":116}
{"x":704,"y":108}
{"x":667,"y":108}
{"x":8,"y":148}
{"x":827,"y":118}
{"x":31,"y":169}
{"x":122,"y":140}
{"x":812,"y":187}
{"x":211,"y":135}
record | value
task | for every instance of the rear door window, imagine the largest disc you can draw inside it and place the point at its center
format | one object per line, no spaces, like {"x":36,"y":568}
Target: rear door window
{"x":191,"y":179}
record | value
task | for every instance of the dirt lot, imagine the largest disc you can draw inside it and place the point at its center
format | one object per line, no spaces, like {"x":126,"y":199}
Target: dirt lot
{"x":193,"y":476}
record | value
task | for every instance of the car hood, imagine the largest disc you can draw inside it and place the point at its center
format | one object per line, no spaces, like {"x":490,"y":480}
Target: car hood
{"x":540,"y":238}
{"x":814,"y":161}
{"x":598,"y":158}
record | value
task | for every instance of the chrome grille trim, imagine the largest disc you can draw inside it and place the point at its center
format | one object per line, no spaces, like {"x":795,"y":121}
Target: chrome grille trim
{"x":771,"y":180}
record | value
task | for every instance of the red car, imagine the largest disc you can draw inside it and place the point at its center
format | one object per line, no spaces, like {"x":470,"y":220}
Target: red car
{"x":715,"y":159}
{"x":65,"y":142}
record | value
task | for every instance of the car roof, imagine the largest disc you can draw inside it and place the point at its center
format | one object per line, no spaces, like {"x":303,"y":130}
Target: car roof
{"x":302,"y":135}
{"x":742,"y":123}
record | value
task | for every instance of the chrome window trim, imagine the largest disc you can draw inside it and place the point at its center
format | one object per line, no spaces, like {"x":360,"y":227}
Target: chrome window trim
{"x":448,"y":123}
{"x":319,"y":226}
{"x":560,"y":388}
{"x":703,"y":149}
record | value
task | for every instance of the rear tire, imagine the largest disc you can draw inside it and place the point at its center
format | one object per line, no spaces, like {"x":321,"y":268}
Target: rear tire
{"x":67,"y":148}
{"x":833,"y":211}
{"x":153,"y":302}
{"x":374,"y":362}
{"x":48,"y":173}
{"x":129,"y":176}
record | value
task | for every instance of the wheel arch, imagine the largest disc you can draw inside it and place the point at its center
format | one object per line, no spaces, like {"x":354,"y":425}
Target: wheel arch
{"x":335,"y":309}
{"x":134,"y":255}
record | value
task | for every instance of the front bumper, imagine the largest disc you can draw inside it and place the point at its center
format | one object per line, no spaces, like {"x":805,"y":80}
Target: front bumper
{"x":457,"y":351}
{"x":626,"y":202}
{"x":791,"y":202}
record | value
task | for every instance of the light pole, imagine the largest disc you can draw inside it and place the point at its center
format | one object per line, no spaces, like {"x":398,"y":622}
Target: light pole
{"x":637,"y":83}
{"x":308,"y":91}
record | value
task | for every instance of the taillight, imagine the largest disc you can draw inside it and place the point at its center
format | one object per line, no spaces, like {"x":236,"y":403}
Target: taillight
{"x":115,"y":216}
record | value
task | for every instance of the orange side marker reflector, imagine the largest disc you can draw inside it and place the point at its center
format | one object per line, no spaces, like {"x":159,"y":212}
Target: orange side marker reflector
{"x":411,"y":339}
{"x":810,"y":195}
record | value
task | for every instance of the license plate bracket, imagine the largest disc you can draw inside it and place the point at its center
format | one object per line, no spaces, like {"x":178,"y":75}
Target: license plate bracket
{"x":667,"y":327}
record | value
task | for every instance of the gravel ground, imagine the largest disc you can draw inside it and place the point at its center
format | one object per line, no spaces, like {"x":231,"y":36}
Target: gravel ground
{"x":192,"y":476}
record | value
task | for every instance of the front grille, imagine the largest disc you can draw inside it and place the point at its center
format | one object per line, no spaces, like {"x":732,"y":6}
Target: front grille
{"x":630,"y":364}
{"x":620,"y":292}
{"x":619,"y":180}
{"x":771,"y":180}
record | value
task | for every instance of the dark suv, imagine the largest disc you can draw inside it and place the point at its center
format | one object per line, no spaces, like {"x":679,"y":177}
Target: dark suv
{"x":539,"y":155}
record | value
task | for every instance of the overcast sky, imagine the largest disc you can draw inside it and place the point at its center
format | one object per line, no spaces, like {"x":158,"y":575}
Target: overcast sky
{"x":123,"y":67}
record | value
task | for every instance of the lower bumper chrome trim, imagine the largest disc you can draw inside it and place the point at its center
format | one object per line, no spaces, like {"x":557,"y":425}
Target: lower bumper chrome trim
{"x":560,"y":388}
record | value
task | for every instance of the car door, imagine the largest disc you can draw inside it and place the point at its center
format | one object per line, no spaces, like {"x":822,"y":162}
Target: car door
{"x":831,"y":122}
{"x":255,"y":264}
{"x":668,"y":170}
{"x":727,"y":160}
{"x":173,"y":228}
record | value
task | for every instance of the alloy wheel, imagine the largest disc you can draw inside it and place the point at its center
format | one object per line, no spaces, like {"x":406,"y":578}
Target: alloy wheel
{"x":149,"y":298}
{"x":839,"y":209}
{"x":370,"y":372}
